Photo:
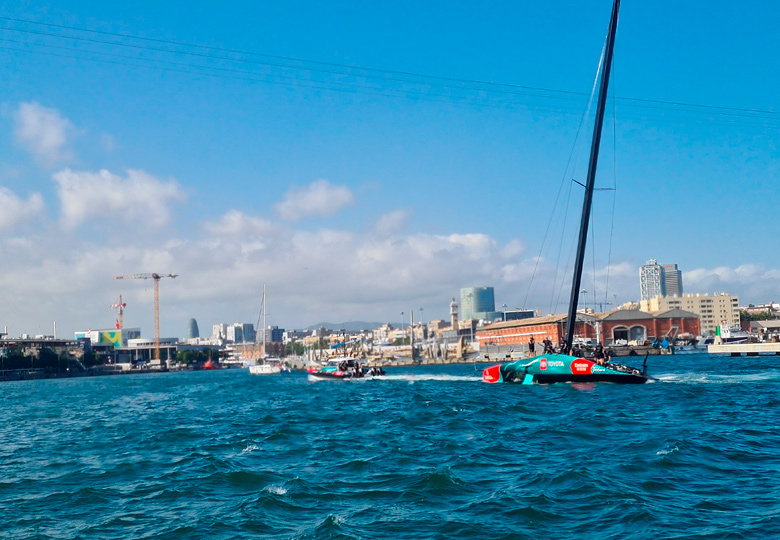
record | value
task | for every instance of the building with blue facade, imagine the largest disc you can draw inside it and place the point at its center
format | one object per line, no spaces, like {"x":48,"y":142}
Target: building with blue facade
{"x":192,"y":329}
{"x":478,"y":303}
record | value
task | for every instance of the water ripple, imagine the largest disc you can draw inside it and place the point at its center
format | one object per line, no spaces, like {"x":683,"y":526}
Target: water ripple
{"x":428,"y":452}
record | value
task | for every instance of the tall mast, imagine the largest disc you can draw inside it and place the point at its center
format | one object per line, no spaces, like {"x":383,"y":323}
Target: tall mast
{"x":264,"y":321}
{"x":594,"y":158}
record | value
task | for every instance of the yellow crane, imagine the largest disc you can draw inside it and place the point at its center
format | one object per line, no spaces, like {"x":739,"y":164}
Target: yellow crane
{"x":156,"y":278}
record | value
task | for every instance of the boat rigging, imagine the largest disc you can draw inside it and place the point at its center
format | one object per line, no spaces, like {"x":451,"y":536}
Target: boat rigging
{"x":553,"y":367}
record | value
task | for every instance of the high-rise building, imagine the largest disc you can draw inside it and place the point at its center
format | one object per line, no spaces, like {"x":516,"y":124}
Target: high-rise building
{"x":241,"y":333}
{"x":248,"y":332}
{"x":219,"y":331}
{"x":274,"y":334}
{"x":192,"y":329}
{"x":651,"y":280}
{"x":235,"y":333}
{"x":673,"y":280}
{"x":478,"y":303}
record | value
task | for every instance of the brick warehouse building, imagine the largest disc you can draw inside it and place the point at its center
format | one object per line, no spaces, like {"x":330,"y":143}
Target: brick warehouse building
{"x":628,"y":324}
{"x":518,"y":332}
{"x":635,"y":325}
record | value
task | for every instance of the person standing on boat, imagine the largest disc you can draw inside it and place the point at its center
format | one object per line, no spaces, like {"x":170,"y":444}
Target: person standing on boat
{"x":548,"y":348}
{"x":531,"y":346}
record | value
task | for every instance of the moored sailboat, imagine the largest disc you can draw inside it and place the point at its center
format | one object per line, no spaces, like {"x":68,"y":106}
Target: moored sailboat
{"x":563,"y":366}
{"x":266,"y":365}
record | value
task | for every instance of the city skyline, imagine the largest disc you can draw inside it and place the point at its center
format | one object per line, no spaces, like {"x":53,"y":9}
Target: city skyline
{"x":364,"y":161}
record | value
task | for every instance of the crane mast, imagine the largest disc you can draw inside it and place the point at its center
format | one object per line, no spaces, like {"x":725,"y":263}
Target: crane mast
{"x":156,"y":277}
{"x":120,"y":316}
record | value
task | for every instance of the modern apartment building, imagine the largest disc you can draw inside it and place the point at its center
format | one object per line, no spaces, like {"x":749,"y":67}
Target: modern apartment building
{"x":659,"y":280}
{"x":273,"y":334}
{"x":219,"y":331}
{"x":721,"y":308}
{"x":651,"y":280}
{"x":239,"y":332}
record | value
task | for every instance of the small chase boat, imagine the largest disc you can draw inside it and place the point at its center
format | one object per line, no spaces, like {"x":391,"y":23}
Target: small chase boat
{"x":342,"y":369}
{"x":554,"y":368}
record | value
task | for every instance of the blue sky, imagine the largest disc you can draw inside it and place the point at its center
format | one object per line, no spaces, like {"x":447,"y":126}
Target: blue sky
{"x":236,"y":147}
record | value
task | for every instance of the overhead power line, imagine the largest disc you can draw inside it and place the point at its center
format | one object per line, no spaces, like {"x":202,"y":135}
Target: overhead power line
{"x":364,"y":73}
{"x":293,"y":59}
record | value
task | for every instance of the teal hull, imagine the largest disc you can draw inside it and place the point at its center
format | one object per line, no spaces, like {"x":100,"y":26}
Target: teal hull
{"x":553,"y":368}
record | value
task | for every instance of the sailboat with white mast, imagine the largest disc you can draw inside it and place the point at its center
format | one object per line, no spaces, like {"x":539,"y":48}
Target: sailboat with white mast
{"x":265,"y":365}
{"x":563,"y":367}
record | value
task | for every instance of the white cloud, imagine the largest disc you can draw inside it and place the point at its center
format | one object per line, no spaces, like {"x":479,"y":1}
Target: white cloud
{"x":518,"y":271}
{"x":108,"y":142}
{"x":753,"y":278}
{"x":16,"y":210}
{"x":139,"y":197}
{"x":391,"y":223}
{"x":237,"y":223}
{"x":43,"y":132}
{"x":514,"y":248}
{"x":619,"y":270}
{"x":320,"y":198}
{"x":312,"y":276}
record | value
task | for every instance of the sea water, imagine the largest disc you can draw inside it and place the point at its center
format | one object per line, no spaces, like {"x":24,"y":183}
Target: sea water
{"x":426,"y":452}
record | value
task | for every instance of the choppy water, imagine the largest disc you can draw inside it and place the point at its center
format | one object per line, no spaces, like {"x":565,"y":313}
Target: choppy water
{"x":428,"y":452}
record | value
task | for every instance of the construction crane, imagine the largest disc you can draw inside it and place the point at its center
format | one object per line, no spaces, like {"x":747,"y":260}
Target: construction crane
{"x":156,"y":278}
{"x":121,"y":307}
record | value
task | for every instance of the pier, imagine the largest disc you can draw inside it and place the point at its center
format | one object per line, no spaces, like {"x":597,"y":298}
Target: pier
{"x":747,"y":349}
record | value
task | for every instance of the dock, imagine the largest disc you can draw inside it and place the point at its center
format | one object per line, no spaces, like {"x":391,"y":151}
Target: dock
{"x":747,"y":349}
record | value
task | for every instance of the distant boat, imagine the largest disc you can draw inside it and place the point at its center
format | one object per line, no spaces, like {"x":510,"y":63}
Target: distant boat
{"x":563,"y":367}
{"x":343,"y":368}
{"x":210,"y":365}
{"x":733,"y":334}
{"x":265,"y":365}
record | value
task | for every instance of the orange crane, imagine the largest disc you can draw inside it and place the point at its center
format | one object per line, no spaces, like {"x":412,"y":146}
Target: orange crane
{"x":156,"y":278}
{"x":121,"y":307}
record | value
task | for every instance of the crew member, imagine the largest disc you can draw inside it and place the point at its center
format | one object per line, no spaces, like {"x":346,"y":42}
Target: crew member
{"x":598,"y":353}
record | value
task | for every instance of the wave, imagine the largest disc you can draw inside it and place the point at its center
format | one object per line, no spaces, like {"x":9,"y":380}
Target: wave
{"x":412,"y":378}
{"x":691,"y":377}
{"x":424,"y":452}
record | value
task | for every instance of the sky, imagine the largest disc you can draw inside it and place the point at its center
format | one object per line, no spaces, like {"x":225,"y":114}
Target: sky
{"x":364,"y":159}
